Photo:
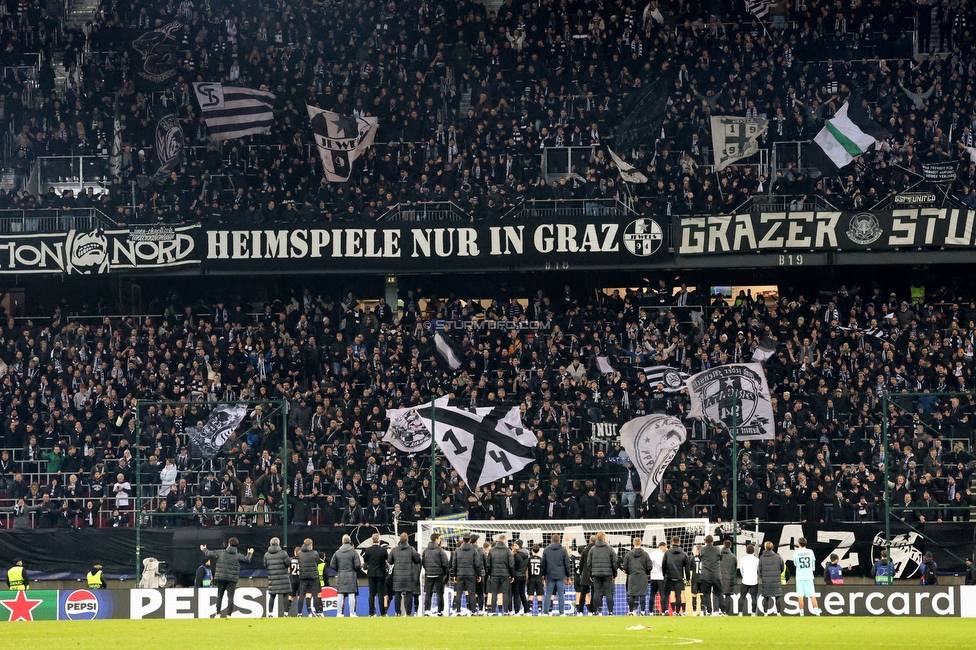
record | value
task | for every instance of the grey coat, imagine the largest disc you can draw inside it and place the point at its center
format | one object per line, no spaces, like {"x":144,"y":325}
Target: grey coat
{"x":555,"y":562}
{"x":277,"y":562}
{"x":403,"y":557}
{"x":711,"y":563}
{"x":637,"y":566}
{"x":728,"y":570}
{"x":602,"y":560}
{"x":228,"y":563}
{"x":346,"y":563}
{"x":770,"y":573}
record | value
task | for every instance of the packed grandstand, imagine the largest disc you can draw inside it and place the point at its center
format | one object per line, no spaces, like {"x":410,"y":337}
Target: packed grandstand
{"x":472,"y":104}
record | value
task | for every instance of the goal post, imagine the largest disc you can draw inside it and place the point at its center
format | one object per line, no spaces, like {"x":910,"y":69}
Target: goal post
{"x":575,"y":534}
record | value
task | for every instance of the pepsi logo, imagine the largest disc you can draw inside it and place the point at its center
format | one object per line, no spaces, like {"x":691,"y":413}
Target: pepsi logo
{"x":81,"y":605}
{"x":330,"y":599}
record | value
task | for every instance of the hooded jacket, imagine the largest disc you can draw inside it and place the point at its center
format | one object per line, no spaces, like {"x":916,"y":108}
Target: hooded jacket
{"x":466,"y":562}
{"x":435,"y":561}
{"x":637,"y":566}
{"x":403,"y":557}
{"x":346,"y":563}
{"x":277,"y":563}
{"x":308,"y":563}
{"x":677,"y":566}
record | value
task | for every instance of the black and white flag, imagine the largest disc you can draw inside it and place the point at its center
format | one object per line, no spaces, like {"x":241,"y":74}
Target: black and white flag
{"x":765,"y":349}
{"x":759,"y":8}
{"x":651,"y":442}
{"x":169,"y":147}
{"x":446,"y":348}
{"x":341,"y":140}
{"x":233,"y":112}
{"x":482,"y":444}
{"x":877,"y":332}
{"x":735,"y":138}
{"x":627,"y":171}
{"x":734,"y":396}
{"x":208,"y":438}
{"x":673,"y":380}
{"x":157,"y":58}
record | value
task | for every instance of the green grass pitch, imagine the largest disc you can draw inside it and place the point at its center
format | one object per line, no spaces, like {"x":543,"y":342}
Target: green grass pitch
{"x":768,"y":633}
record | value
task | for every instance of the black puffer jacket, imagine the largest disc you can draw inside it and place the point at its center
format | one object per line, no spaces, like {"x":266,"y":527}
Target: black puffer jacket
{"x":677,"y":566}
{"x":403,"y":557}
{"x":308,"y":563}
{"x":501,"y":564}
{"x":228,"y":563}
{"x":435,"y":561}
{"x":466,"y":563}
{"x":602,"y":560}
{"x":277,"y":562}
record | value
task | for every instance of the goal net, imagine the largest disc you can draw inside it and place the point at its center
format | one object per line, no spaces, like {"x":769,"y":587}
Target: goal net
{"x":575,"y":535}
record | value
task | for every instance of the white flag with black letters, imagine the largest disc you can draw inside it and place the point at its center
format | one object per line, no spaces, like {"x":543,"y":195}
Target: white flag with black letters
{"x":341,"y":140}
{"x":208,"y":438}
{"x":651,"y":442}
{"x":734,"y":396}
{"x":482,"y":444}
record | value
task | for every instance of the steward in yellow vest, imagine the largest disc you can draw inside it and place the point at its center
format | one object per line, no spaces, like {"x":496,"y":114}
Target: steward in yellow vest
{"x":17,"y":577}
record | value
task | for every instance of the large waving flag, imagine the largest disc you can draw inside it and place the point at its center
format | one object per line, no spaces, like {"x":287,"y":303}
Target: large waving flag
{"x":845,"y":136}
{"x":207,"y":438}
{"x":482,"y":444}
{"x":341,"y":140}
{"x":651,"y":442}
{"x":233,"y":112}
{"x":735,"y":396}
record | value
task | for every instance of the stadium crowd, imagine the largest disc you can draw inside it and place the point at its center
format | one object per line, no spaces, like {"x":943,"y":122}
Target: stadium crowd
{"x":541,"y":75}
{"x":70,"y":386}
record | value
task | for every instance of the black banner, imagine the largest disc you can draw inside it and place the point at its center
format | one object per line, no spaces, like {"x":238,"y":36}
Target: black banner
{"x":944,"y":172}
{"x":562,"y":243}
{"x":859,"y":545}
{"x":100,"y":251}
{"x":801,"y":231}
{"x":73,"y":551}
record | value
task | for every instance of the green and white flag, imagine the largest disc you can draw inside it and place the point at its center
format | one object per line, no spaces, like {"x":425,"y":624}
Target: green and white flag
{"x":845,"y":136}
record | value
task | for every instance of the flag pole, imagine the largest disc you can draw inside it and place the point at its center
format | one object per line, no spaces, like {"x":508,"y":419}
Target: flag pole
{"x":433,"y":457}
{"x":735,"y":471}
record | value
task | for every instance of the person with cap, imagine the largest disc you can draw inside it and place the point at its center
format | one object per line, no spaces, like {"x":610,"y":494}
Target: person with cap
{"x":227,"y":573}
{"x":17,"y":577}
{"x":833,"y":572}
{"x":94,"y":577}
{"x":204,"y":575}
{"x":930,"y":570}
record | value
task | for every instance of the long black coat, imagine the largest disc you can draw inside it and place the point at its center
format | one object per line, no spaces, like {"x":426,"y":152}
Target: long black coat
{"x":277,"y":562}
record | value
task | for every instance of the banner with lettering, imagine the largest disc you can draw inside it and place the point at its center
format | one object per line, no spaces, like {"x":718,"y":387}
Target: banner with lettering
{"x":821,"y":230}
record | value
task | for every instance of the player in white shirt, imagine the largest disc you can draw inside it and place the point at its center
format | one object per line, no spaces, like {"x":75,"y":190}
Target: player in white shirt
{"x":804,"y":560}
{"x":749,"y":569}
{"x":657,"y":578}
